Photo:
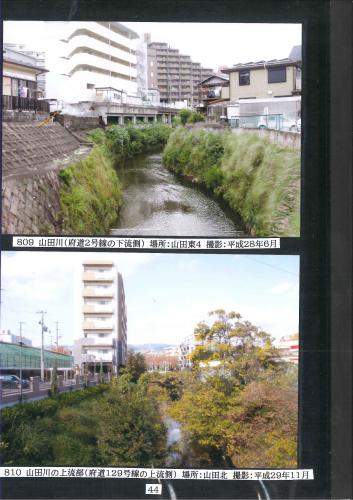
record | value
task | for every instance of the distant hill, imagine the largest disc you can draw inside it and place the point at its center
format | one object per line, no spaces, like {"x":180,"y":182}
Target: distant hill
{"x":149,"y":347}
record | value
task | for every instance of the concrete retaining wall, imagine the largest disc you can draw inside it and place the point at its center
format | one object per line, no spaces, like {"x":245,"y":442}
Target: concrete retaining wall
{"x":31,"y":205}
{"x":79,"y":122}
{"x":289,"y":139}
{"x":32,"y":157}
{"x":280,"y":137}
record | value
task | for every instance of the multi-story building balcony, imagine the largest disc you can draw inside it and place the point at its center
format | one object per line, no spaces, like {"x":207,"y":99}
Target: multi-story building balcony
{"x":98,"y":292}
{"x":98,"y":308}
{"x":84,"y":43}
{"x":97,"y":325}
{"x":100,"y":31}
{"x":96,"y":276}
{"x":24,"y":104}
{"x":97,"y":342}
{"x":79,"y":60}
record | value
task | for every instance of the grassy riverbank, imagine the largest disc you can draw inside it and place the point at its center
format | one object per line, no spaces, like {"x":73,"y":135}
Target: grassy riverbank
{"x":259,"y":180}
{"x":90,"y":191}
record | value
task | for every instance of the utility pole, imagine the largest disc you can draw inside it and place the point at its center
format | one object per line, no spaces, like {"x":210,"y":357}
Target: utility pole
{"x":21,"y":343}
{"x":43,"y":329}
{"x":57,"y":335}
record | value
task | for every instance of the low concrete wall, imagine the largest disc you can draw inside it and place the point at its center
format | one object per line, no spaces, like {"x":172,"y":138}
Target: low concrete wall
{"x":79,"y":122}
{"x":280,"y":137}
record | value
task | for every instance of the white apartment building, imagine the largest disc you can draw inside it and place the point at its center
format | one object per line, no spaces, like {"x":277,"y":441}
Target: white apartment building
{"x":89,"y":56}
{"x":187,"y":346}
{"x":288,"y":347}
{"x":102,"y":337}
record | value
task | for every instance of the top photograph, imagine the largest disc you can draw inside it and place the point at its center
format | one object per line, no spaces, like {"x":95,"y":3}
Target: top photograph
{"x":151,"y":129}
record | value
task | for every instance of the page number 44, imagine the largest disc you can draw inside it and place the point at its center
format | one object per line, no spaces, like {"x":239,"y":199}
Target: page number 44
{"x":153,"y":489}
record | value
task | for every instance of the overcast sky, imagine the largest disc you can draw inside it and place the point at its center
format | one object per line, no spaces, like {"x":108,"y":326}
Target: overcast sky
{"x":212,"y":44}
{"x":166,"y":294}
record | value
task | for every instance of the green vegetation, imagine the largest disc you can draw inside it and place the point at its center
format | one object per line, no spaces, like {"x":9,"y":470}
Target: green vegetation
{"x":135,"y":366}
{"x":90,"y":194}
{"x":259,"y":180}
{"x":241,"y":405}
{"x":90,"y":190}
{"x":125,"y":142}
{"x":187,"y":116}
{"x":237,"y":407}
{"x":120,"y":425}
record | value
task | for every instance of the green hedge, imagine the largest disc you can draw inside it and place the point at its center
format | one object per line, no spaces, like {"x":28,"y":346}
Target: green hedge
{"x":27,"y":412}
{"x":259,"y":180}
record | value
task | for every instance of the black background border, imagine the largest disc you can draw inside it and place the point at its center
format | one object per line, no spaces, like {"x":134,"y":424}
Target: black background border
{"x":325,"y":246}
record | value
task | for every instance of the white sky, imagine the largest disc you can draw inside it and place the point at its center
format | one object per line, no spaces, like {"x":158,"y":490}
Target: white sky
{"x":166,"y":294}
{"x":212,"y":44}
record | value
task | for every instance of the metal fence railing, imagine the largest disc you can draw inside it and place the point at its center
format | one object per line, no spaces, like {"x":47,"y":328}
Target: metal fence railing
{"x":24,"y":104}
{"x":269,"y":121}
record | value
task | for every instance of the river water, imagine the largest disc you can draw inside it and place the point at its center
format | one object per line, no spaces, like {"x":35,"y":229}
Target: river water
{"x":158,"y":203}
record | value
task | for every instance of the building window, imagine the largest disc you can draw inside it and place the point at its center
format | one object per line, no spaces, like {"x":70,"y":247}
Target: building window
{"x":90,"y":85}
{"x":244,"y":77}
{"x":277,"y":75}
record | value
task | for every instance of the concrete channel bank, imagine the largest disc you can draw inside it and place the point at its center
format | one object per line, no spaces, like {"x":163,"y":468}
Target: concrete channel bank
{"x":33,"y":154}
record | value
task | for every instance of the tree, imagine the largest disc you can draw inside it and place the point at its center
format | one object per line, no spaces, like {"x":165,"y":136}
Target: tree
{"x":201,"y":411}
{"x":239,"y":349}
{"x":184,"y":115}
{"x":131,"y":432}
{"x":264,"y":426}
{"x":135,"y":365}
{"x":188,"y":116}
{"x":240,"y":407}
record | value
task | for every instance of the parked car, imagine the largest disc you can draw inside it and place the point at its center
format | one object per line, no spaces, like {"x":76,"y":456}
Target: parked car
{"x":13,"y":382}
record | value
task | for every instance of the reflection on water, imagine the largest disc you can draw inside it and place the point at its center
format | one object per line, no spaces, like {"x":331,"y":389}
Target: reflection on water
{"x":174,"y":442}
{"x":158,"y":203}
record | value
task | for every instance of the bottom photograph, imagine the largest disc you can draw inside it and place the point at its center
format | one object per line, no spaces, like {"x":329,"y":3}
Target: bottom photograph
{"x":149,"y":360}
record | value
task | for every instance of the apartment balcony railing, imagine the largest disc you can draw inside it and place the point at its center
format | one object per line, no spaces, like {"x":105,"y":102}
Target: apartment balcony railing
{"x":97,"y":342}
{"x":96,"y":292}
{"x":97,"y":325}
{"x":99,"y":277}
{"x":97,"y":308}
{"x":24,"y":104}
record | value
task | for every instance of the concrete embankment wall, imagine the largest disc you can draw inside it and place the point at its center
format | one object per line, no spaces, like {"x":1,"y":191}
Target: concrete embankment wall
{"x":31,"y":204}
{"x":31,"y":158}
{"x":279,"y":137}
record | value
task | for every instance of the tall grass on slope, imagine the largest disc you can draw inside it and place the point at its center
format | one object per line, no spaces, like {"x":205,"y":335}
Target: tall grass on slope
{"x":259,"y":180}
{"x":262,"y":182}
{"x":90,"y":194}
